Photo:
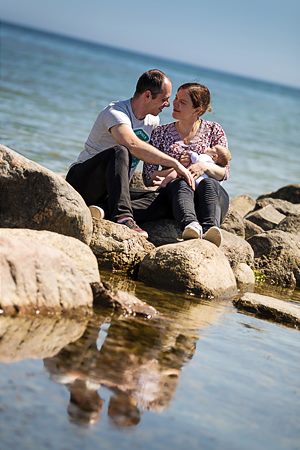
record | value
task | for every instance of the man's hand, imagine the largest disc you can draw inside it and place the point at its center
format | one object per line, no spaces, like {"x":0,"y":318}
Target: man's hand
{"x":186,"y":174}
{"x":197,"y":169}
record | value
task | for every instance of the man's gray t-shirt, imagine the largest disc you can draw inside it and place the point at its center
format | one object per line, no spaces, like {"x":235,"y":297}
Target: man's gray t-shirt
{"x":116,"y":113}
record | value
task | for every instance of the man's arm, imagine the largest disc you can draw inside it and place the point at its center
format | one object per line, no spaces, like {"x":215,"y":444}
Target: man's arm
{"x":124,"y":135}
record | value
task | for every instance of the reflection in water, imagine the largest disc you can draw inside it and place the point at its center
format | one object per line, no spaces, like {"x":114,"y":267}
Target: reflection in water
{"x":36,"y":337}
{"x":139,"y":361}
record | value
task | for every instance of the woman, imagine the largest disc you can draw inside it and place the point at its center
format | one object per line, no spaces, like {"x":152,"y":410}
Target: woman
{"x":200,"y":212}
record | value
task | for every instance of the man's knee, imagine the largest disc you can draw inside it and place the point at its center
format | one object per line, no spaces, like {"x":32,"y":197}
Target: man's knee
{"x":121,"y":153}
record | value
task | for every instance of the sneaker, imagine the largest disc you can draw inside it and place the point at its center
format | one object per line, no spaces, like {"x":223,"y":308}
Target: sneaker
{"x":192,"y":231}
{"x":96,"y":212}
{"x":130,"y":223}
{"x":213,"y":235}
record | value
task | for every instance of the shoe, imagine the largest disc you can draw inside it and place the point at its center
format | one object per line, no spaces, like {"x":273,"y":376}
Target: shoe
{"x":192,"y":231}
{"x":130,"y":223}
{"x":96,"y":212}
{"x":213,"y":235}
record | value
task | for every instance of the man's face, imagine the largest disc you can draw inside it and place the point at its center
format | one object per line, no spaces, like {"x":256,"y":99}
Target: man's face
{"x":162,"y":100}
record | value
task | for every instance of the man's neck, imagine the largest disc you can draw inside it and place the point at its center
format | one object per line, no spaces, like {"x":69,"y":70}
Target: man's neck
{"x":138,"y":108}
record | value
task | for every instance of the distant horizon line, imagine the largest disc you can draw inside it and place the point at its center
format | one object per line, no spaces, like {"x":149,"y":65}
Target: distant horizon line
{"x":149,"y":55}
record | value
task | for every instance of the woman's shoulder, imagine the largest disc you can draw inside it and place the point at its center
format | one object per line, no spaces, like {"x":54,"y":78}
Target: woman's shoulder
{"x":166,"y":127}
{"x":210,"y":124}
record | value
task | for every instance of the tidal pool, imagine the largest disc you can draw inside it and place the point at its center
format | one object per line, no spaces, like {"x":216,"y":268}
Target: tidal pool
{"x":199,"y":376}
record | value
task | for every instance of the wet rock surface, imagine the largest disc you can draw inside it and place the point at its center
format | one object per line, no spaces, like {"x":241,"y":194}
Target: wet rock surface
{"x":270,"y":308}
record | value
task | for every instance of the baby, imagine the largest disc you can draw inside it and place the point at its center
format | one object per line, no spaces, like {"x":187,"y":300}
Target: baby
{"x":213,"y":155}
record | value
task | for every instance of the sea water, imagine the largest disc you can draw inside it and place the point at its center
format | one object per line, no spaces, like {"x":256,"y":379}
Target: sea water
{"x":53,"y":87}
{"x":201,"y":375}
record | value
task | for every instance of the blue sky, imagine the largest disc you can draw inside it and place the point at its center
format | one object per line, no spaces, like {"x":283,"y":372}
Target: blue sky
{"x":256,"y":38}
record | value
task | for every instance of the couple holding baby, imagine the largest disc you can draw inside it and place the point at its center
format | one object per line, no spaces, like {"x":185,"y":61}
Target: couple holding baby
{"x":187,"y":160}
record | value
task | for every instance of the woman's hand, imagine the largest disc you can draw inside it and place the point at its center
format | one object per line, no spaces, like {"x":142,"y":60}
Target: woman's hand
{"x":197,"y":169}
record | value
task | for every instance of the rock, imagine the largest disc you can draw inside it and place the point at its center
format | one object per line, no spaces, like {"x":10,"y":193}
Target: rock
{"x":117,"y":247}
{"x":37,"y":337}
{"x":126,"y":301}
{"x":270,"y":308}
{"x":291,"y":193}
{"x":267,"y":218}
{"x":242,"y":204}
{"x":80,"y":253}
{"x":234,"y":223}
{"x":291,"y":224}
{"x":277,"y":258}
{"x":251,"y":229}
{"x":282,"y":206}
{"x":137,"y":182}
{"x":32,"y":196}
{"x":38,"y":278}
{"x":236,"y":249}
{"x":194,"y":266}
{"x":244,"y":276}
{"x":161,"y":232}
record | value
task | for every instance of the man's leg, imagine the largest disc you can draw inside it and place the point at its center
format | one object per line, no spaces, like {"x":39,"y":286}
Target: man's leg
{"x":104,"y":178}
{"x":211,"y":202}
{"x":150,"y":205}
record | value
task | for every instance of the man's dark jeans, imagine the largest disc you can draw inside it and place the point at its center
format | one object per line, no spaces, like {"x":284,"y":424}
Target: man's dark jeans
{"x":208,"y":204}
{"x":103,"y":180}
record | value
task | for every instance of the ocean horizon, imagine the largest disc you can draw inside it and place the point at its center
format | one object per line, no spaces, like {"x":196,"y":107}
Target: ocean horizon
{"x":55,"y":85}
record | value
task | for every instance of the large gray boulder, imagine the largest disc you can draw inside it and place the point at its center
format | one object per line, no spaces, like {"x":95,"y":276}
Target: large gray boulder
{"x":277,"y":258}
{"x":251,"y":229}
{"x":80,"y":253}
{"x":291,"y":224}
{"x":38,"y":279}
{"x":117,"y":247}
{"x":270,"y":308}
{"x":32,"y":196}
{"x":291,"y":193}
{"x":195,"y":266}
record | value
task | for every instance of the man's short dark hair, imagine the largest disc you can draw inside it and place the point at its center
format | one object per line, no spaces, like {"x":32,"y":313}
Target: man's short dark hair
{"x":152,"y":81}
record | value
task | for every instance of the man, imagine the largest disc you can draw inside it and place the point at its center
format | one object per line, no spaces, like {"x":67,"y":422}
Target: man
{"x":117,"y":141}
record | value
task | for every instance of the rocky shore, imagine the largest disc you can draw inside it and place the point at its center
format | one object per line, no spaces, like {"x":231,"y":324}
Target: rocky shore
{"x":52,"y":252}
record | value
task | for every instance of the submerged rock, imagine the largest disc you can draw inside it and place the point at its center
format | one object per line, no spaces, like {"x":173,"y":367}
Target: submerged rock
{"x":38,"y":278}
{"x":270,"y":308}
{"x":32,"y":196}
{"x":195,"y":266}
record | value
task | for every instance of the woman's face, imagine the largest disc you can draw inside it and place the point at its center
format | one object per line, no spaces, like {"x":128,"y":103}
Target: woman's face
{"x":183,"y":107}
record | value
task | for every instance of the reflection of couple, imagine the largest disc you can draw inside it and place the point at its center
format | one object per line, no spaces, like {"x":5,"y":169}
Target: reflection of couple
{"x":120,"y":137}
{"x":139,"y":362}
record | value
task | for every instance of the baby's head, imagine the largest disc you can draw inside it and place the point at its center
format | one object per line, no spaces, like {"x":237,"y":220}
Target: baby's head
{"x":221,"y":155}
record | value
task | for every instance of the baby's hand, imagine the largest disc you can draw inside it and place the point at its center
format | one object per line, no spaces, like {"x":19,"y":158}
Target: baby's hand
{"x":185,"y":159}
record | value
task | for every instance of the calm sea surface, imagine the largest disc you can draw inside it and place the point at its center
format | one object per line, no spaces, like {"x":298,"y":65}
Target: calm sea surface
{"x":200,"y":376}
{"x":52,"y":89}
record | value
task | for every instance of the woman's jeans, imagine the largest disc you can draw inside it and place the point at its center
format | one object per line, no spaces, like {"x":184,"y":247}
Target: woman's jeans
{"x":103,"y":180}
{"x":208,"y":204}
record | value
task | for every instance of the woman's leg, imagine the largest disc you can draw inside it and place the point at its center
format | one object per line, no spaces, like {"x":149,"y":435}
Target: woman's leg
{"x":211,"y":203}
{"x":181,"y":198}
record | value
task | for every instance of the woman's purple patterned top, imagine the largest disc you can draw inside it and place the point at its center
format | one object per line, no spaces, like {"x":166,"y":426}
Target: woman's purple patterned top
{"x":167,"y":139}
